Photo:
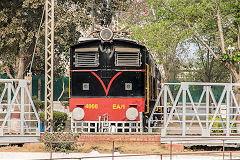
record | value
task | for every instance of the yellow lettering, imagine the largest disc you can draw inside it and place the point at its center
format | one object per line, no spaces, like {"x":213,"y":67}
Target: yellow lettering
{"x":118,"y":106}
{"x":96,"y":106}
{"x":91,"y":106}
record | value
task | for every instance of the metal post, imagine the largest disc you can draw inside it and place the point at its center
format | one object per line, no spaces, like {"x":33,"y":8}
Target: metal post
{"x":165,"y":104}
{"x":171,"y":150}
{"x":50,"y":150}
{"x":228,"y":110}
{"x":9,"y":97}
{"x":141,"y":123}
{"x":49,"y":52}
{"x":184,"y":87}
{"x":230,"y":155}
{"x":165,"y":111}
{"x":22,"y":109}
{"x":207,"y":106}
{"x":223,"y":149}
{"x":113,"y":151}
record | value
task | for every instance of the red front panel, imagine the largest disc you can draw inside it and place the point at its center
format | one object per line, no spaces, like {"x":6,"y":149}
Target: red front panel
{"x":115,"y":107}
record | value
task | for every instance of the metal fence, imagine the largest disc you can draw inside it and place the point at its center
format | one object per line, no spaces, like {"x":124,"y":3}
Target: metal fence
{"x":222,"y":153}
{"x":57,"y":85}
{"x":208,"y":116}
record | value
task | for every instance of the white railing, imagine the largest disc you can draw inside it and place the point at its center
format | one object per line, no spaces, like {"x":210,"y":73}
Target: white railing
{"x":105,"y":126}
{"x":180,"y":115}
{"x":17,"y":101}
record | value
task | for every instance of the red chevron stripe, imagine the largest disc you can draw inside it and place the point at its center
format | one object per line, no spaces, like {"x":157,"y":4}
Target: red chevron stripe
{"x":110,"y":83}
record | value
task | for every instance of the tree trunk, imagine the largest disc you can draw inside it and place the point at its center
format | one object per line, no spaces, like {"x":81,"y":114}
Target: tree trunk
{"x":20,"y":68}
{"x":39,"y":87}
{"x":220,"y":30}
{"x":164,"y":76}
{"x":20,"y":65}
{"x":63,"y":89}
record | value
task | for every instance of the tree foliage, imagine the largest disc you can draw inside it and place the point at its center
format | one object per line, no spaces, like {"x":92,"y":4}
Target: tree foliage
{"x":20,"y":21}
{"x":207,"y":21}
{"x":166,"y":25}
{"x":19,"y":24}
{"x":205,"y":68}
{"x":164,"y":39}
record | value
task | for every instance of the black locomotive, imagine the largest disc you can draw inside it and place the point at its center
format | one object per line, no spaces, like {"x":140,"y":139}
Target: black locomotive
{"x":112,"y":78}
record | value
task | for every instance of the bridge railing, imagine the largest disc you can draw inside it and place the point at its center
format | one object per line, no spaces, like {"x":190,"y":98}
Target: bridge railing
{"x":18,"y":115}
{"x":178,"y":111}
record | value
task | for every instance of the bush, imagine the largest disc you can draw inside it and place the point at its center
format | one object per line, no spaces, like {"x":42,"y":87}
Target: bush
{"x":58,"y":120}
{"x":65,"y":103}
{"x":219,"y":125}
{"x":39,"y":105}
{"x":216,"y":124}
{"x":59,"y":138}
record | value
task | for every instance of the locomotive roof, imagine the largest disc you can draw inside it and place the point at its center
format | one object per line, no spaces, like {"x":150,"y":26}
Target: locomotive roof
{"x":86,"y":40}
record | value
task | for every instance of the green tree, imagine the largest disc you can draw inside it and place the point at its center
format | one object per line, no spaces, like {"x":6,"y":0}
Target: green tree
{"x":207,"y":69}
{"x":18,"y":32}
{"x":210,"y":22}
{"x":164,"y":39}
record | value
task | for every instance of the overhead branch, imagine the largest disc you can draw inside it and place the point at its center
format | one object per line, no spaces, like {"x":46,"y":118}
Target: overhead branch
{"x":220,"y":30}
{"x":172,"y":11}
{"x":206,"y":45}
{"x":226,"y":64}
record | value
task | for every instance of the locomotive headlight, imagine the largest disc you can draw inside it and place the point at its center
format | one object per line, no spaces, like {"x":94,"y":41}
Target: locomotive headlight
{"x":132,"y":114}
{"x":106,"y":34}
{"x":78,"y":114}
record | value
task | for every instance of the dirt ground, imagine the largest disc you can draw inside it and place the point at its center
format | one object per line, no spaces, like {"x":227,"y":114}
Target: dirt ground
{"x":122,"y":147}
{"x":28,"y":147}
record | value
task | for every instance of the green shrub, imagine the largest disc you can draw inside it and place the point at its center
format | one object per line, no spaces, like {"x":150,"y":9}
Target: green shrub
{"x":63,"y":142}
{"x":58,"y":120}
{"x":216,"y":124}
{"x":65,"y":103}
{"x":39,"y":105}
{"x":219,"y":125}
